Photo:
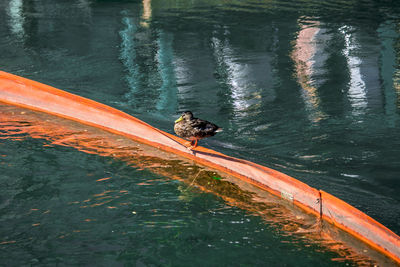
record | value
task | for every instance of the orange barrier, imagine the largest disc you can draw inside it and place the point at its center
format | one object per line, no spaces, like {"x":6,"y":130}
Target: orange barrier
{"x":30,"y":94}
{"x":360,"y":225}
{"x":18,"y":124}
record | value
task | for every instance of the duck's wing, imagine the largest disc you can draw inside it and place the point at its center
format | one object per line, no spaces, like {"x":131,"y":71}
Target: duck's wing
{"x":202,"y":124}
{"x":203,"y":128}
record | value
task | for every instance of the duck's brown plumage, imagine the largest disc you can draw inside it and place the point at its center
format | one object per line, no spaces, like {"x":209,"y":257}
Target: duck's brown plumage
{"x":194,"y":129}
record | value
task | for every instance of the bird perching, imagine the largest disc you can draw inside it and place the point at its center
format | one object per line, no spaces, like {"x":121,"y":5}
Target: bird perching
{"x":194,"y":129}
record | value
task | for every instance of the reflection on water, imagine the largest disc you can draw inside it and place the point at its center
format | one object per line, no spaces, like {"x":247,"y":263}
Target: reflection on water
{"x":128,"y":53}
{"x":396,"y":48}
{"x":396,"y":82}
{"x":146,"y":15}
{"x":17,"y":19}
{"x":304,"y":55}
{"x":137,"y":46}
{"x":167,"y":100}
{"x":387,"y":35}
{"x":240,"y":76}
{"x":357,"y":88}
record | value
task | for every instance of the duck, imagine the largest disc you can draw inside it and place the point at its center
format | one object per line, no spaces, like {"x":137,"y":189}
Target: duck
{"x":194,"y":129}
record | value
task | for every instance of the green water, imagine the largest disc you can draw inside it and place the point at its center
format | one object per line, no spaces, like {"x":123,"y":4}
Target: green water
{"x":310,"y":88}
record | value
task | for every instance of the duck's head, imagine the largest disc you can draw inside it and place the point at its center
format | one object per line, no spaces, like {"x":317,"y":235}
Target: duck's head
{"x":186,"y":116}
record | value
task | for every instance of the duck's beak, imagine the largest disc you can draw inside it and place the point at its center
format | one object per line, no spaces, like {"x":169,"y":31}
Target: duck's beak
{"x":178,"y":120}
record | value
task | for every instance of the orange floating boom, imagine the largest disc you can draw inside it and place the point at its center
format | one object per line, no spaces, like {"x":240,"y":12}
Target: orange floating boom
{"x":37,"y":96}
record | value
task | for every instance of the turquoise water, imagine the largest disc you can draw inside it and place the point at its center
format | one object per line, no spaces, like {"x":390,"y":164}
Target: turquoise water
{"x":308,"y":88}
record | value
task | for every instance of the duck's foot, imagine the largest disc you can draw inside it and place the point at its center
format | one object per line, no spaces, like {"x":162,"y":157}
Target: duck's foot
{"x":193,"y":145}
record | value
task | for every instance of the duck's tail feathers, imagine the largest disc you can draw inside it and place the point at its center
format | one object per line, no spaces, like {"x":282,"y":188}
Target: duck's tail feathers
{"x":219,"y":130}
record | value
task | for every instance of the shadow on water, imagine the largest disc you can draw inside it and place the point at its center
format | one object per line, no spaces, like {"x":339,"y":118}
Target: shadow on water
{"x":18,"y":124}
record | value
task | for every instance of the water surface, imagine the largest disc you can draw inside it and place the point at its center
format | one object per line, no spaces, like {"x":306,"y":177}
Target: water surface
{"x":308,"y":88}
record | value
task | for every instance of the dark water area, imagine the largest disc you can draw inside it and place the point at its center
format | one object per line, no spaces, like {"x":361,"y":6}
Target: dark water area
{"x":309,"y":88}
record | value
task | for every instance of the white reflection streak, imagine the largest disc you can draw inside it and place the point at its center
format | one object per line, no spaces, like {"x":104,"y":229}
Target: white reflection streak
{"x":166,"y":68}
{"x":237,"y":75}
{"x":357,"y":92}
{"x":183,"y":78}
{"x":17,"y":19}
{"x":128,"y":53}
